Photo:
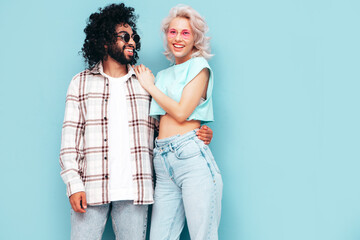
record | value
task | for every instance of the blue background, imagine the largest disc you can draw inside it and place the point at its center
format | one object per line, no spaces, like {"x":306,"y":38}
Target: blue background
{"x":286,"y":101}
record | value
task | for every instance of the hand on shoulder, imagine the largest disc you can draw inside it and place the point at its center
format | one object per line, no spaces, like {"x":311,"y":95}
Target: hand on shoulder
{"x":145,"y":76}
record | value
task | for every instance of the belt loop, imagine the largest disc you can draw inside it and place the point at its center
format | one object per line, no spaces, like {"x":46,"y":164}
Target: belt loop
{"x":171,"y":147}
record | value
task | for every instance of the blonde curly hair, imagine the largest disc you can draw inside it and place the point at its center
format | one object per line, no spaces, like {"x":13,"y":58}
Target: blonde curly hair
{"x":198,"y":25}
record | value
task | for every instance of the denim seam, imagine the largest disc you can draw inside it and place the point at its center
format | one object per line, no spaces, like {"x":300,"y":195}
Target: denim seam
{"x":173,"y":222}
{"x":212,"y":171}
{"x":168,"y":168}
{"x":213,"y":162}
{"x":213,"y":200}
{"x":211,"y":159}
{"x":204,"y":155}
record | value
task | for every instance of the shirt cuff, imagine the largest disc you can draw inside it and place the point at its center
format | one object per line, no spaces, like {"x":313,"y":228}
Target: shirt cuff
{"x":74,"y":187}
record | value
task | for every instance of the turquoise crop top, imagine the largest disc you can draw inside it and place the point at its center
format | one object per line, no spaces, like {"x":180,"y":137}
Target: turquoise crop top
{"x":172,"y":81}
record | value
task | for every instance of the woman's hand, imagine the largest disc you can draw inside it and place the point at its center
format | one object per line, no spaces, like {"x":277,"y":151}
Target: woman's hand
{"x":145,"y":76}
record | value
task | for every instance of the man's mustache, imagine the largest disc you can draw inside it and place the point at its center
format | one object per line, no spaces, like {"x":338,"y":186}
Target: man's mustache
{"x":129,"y":46}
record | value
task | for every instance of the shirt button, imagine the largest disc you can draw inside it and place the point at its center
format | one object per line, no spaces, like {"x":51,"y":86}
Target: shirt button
{"x":105,"y":158}
{"x":105,"y":118}
{"x":107,"y":84}
{"x":106,"y":176}
{"x":105,"y":100}
{"x":105,"y":140}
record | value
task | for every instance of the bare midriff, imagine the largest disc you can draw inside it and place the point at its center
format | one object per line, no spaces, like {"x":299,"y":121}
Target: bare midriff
{"x":170,"y":127}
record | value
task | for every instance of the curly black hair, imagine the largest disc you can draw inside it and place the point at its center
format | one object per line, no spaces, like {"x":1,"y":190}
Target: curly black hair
{"x":100,"y":31}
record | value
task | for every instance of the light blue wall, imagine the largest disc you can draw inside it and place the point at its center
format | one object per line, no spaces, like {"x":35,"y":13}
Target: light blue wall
{"x":286,"y":102}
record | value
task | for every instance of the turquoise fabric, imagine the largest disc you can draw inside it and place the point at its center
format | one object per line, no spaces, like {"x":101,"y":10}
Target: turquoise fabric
{"x":172,"y":81}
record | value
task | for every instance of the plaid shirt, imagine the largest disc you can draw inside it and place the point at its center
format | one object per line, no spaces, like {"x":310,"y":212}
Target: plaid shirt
{"x":84,"y":144}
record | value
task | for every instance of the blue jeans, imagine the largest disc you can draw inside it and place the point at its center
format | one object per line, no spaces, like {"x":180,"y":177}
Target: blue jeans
{"x":188,"y":184}
{"x":128,"y":220}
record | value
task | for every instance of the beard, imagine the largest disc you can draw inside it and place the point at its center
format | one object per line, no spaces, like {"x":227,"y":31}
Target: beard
{"x":118,"y":54}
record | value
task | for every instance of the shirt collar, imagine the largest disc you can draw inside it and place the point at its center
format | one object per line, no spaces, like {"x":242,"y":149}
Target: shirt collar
{"x":131,"y":71}
{"x":98,"y":69}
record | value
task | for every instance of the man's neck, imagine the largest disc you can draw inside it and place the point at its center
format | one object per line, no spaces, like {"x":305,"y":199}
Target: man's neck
{"x":113,"y":68}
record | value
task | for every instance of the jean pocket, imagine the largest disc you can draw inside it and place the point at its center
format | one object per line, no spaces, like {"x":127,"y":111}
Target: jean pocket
{"x":212,"y":159}
{"x":187,"y":150}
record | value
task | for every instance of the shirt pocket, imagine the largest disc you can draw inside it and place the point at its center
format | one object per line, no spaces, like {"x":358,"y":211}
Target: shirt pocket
{"x":188,"y":149}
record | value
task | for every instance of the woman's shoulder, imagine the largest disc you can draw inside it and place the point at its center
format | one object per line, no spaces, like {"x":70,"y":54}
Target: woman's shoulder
{"x":199,"y":60}
{"x":199,"y":63}
{"x":193,"y":64}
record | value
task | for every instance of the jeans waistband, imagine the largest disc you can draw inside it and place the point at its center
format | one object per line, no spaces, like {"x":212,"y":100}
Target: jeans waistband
{"x":171,"y":143}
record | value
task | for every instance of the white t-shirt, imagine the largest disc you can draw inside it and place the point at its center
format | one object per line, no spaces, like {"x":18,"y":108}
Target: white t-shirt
{"x":120,"y":181}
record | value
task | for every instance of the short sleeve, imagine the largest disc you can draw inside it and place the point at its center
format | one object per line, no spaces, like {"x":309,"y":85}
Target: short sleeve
{"x":195,"y":68}
{"x":203,"y":111}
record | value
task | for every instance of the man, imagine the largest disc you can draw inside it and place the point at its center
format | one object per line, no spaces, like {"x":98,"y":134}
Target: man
{"x":107,"y":135}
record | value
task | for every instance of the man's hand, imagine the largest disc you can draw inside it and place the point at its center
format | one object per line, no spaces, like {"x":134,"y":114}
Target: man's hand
{"x":78,"y":202}
{"x":205,"y":134}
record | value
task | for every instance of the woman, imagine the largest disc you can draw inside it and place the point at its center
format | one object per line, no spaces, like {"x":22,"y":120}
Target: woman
{"x":188,"y":181}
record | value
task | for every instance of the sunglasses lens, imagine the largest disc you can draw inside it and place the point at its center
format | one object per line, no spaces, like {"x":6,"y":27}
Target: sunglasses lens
{"x":136,"y":38}
{"x":126,"y":37}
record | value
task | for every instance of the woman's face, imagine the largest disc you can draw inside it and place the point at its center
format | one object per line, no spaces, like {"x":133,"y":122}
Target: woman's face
{"x":180,"y":39}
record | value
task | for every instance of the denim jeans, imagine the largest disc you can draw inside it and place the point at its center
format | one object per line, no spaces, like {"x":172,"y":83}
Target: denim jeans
{"x":188,"y":184}
{"x":128,"y":221}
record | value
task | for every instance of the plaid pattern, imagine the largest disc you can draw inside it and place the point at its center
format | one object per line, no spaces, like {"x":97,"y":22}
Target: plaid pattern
{"x":84,"y":144}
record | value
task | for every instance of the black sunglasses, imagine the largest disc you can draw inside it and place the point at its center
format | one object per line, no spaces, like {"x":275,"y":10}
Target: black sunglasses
{"x":124,"y":36}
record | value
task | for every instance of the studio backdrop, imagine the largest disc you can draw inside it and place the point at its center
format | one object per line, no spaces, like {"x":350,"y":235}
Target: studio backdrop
{"x":286,"y":103}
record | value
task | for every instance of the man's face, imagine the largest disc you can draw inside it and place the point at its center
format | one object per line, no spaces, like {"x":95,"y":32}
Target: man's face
{"x":121,"y":51}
